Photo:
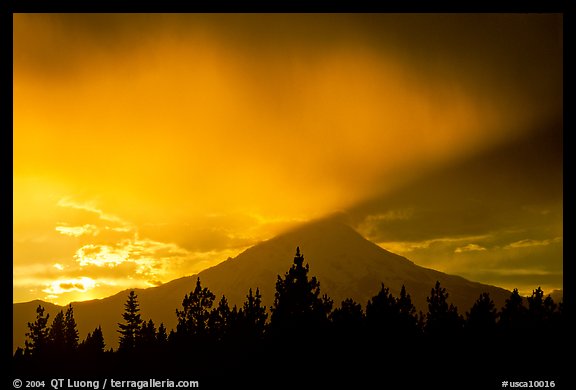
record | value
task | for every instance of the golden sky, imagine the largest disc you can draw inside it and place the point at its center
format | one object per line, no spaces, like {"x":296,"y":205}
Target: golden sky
{"x":148,"y":147}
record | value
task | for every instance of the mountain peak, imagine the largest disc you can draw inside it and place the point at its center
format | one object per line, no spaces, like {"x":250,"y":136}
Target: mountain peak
{"x":331,"y":226}
{"x":329,"y":234}
{"x":346,"y":264}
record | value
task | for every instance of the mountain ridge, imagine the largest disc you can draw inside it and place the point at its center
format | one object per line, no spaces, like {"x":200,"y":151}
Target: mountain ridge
{"x":346,"y":264}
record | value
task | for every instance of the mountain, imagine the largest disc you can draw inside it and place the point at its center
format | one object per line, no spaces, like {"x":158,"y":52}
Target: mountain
{"x":346,"y":264}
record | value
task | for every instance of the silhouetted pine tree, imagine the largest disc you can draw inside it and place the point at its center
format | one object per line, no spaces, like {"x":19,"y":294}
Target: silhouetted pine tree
{"x":541,"y":311}
{"x":513,"y":316}
{"x":235,"y":326}
{"x":408,"y":322}
{"x":146,"y":336}
{"x":252,"y":317}
{"x":549,"y":306}
{"x":172,"y":338}
{"x":57,"y":335}
{"x":195,"y":313}
{"x":298,"y":309}
{"x":558,"y":321}
{"x":552,"y":314}
{"x":387,"y":315}
{"x":442,"y":318}
{"x":545,"y":312}
{"x":219,"y":321}
{"x":19,"y":355}
{"x":161,"y":336}
{"x":71,"y":333}
{"x":132,"y":322}
{"x":37,"y":337}
{"x":481,"y":320}
{"x":63,"y":335}
{"x":94,"y":344}
{"x":348,"y":319}
{"x":421,"y":319}
{"x":382,"y":314}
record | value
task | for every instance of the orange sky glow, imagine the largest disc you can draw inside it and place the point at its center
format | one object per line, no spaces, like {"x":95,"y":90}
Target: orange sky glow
{"x":149,"y":147}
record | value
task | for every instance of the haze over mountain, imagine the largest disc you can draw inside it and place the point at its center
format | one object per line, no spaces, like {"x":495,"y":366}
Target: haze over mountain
{"x":346,"y":264}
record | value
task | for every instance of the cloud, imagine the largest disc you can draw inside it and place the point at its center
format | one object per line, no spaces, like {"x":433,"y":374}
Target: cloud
{"x":506,"y":188}
{"x":117,"y":253}
{"x":469,"y":248}
{"x":82,"y":284}
{"x":116,"y":242}
{"x":361,"y":106}
{"x":20,"y":271}
{"x":519,"y":271}
{"x":77,"y":231}
{"x":90,"y":206}
{"x":530,"y":243}
{"x":391,"y":215}
{"x":346,"y":110}
{"x":101,"y":255}
{"x":410,"y":246}
{"x":149,"y":257}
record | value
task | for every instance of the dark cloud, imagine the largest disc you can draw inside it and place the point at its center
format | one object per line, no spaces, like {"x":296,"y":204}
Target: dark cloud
{"x":518,"y":55}
{"x":508,"y":201}
{"x":71,"y":286}
{"x":516,"y":186}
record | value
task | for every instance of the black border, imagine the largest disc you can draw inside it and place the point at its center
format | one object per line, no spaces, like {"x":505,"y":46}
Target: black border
{"x":516,"y":6}
{"x":566,"y":8}
{"x":569,"y":125}
{"x":6,"y":126}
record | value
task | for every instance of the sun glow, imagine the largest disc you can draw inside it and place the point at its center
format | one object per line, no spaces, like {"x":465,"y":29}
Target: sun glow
{"x":82,"y":284}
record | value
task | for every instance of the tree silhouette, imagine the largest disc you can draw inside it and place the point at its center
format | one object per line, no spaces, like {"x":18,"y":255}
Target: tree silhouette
{"x":173,"y":338}
{"x":542,"y":311}
{"x":537,"y":313}
{"x":37,"y":336}
{"x":408,"y":322}
{"x":513,"y":314}
{"x":298,"y":307}
{"x":161,"y":335}
{"x":549,"y":306}
{"x":57,"y":335}
{"x":387,"y":315}
{"x":442,"y":318}
{"x":219,"y":321}
{"x":252,"y":317}
{"x":132,"y":322}
{"x":237,"y":338}
{"x":421,"y":320}
{"x":93,"y":344}
{"x":146,"y":336}
{"x":62,"y":334}
{"x":482,"y":316}
{"x":552,"y":314}
{"x":71,"y":333}
{"x":195,"y":313}
{"x":19,"y":355}
{"x":382,"y":314}
{"x":347,"y":319}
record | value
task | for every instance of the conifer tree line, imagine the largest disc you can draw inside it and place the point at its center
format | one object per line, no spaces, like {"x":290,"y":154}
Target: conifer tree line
{"x":299,"y":313}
